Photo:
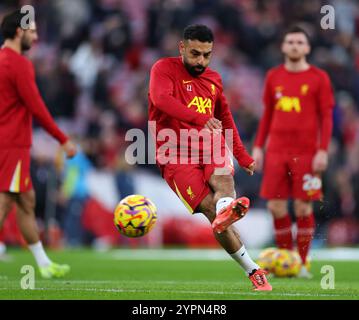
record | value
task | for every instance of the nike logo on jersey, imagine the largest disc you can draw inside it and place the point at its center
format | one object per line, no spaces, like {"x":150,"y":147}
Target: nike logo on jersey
{"x":186,"y":81}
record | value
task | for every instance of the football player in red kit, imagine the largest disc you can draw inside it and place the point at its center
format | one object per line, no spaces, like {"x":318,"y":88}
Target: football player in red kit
{"x":297,"y":126}
{"x":187,"y":96}
{"x":20,"y":101}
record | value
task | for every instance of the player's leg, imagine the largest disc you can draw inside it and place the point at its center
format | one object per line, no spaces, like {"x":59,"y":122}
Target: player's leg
{"x":6,"y":204}
{"x":11,"y":165}
{"x":276,"y":188}
{"x":223,"y":195}
{"x":27,"y":223}
{"x":219,"y":174}
{"x":305,"y":231}
{"x":228,"y":239}
{"x":188,"y":182}
{"x":7,"y":201}
{"x":306,"y":188}
{"x":25,"y":215}
{"x":282,"y":223}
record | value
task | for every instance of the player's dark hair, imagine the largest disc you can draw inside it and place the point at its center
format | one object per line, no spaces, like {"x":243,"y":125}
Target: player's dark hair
{"x":10,"y":24}
{"x":198,"y":32}
{"x":296,"y":29}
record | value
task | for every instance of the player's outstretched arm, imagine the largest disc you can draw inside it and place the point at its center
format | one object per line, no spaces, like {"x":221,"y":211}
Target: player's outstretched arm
{"x":265,"y":122}
{"x":326,"y":105}
{"x":239,"y":151}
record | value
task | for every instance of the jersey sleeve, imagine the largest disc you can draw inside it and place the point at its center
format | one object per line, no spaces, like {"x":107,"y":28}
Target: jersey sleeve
{"x":326,"y":105}
{"x":30,"y":96}
{"x":264,"y":124}
{"x":162,"y":96}
{"x":223,"y":113}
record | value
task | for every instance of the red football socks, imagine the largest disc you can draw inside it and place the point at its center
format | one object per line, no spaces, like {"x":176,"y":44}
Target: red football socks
{"x":283,"y":232}
{"x":306,"y":228}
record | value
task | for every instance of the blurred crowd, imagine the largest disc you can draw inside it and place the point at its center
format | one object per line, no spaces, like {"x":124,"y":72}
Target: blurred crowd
{"x":93,"y":60}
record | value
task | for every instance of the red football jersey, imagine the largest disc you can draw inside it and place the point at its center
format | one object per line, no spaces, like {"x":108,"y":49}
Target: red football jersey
{"x":20,"y":100}
{"x":298,"y":110}
{"x":179,"y":101}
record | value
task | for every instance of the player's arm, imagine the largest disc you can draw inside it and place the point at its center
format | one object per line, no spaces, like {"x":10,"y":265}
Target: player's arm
{"x":30,"y":95}
{"x":326,"y":105}
{"x":224,"y":114}
{"x":264,"y":125}
{"x":325,"y":108}
{"x":161,"y":94}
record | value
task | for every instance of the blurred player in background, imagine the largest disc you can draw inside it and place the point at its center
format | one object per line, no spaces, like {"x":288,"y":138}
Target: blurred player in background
{"x":185,"y":94}
{"x":20,"y":101}
{"x":297,"y":122}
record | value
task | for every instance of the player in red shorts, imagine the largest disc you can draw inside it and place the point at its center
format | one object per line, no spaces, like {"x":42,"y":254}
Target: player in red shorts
{"x":186,"y":97}
{"x":20,"y":101}
{"x":297,"y":121}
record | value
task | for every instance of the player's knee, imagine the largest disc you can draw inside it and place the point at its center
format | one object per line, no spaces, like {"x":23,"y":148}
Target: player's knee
{"x":209,"y":212}
{"x":27,"y":208}
{"x":207,"y":207}
{"x":302,"y":208}
{"x":5,"y":208}
{"x":277,"y":208}
{"x":28,"y":202}
{"x":223,"y":185}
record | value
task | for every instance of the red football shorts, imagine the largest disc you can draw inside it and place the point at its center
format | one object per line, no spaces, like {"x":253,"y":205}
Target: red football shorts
{"x":190,"y":181}
{"x":15,"y":170}
{"x":290,"y":175}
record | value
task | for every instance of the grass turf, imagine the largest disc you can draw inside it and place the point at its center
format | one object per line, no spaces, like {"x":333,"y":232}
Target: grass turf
{"x":103,"y":276}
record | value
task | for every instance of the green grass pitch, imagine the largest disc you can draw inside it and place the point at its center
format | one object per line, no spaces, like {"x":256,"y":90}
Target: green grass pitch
{"x":97,"y":275}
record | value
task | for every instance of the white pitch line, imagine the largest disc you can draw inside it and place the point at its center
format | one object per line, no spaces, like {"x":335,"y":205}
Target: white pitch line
{"x":336,"y":254}
{"x":257,"y":294}
{"x":65,"y":282}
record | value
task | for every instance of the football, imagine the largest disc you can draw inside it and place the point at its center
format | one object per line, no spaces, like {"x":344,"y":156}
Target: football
{"x":280,"y":262}
{"x":266,"y":259}
{"x":135,"y":216}
{"x":286,"y":263}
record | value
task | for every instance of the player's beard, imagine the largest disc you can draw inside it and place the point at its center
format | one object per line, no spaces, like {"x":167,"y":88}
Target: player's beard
{"x":194,"y":71}
{"x":294,"y":57}
{"x":25,"y":44}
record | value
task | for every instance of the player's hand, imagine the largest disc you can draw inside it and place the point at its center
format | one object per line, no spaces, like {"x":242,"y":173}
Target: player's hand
{"x":214,"y":125}
{"x":320,"y":161}
{"x":250,"y":168}
{"x":258,"y":156}
{"x":69,"y":148}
